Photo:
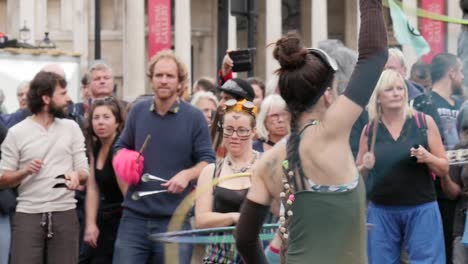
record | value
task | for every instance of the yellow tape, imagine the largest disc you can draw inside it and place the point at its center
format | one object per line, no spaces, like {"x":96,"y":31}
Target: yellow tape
{"x":430,"y":15}
{"x":171,"y":251}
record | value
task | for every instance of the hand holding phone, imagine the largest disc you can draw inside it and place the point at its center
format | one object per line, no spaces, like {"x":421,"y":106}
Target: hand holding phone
{"x":242,"y":59}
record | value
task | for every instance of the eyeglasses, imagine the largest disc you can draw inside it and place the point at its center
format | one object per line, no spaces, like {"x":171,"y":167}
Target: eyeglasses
{"x":324,"y":57}
{"x":243,"y":105}
{"x":275,"y":117}
{"x":241,"y":131}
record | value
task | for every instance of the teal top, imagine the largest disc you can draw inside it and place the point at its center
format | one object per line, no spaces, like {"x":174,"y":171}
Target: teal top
{"x":328,"y":227}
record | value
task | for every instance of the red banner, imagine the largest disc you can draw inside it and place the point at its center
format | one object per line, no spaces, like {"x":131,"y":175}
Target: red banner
{"x":433,"y":31}
{"x":159,"y":26}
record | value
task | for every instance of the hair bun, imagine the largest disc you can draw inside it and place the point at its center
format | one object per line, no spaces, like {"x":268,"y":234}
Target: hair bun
{"x":289,"y":51}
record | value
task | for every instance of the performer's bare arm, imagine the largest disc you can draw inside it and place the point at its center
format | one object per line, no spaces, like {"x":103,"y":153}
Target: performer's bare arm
{"x":267,"y":177}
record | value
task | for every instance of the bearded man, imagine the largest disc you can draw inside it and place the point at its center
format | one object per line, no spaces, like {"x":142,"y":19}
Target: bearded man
{"x":44,"y":157}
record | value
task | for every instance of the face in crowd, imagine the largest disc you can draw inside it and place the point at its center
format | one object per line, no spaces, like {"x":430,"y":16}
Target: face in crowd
{"x":59,"y":102}
{"x":208,"y":108}
{"x":102,"y":83}
{"x":393,"y":95}
{"x":277,"y":121}
{"x":164,"y":80}
{"x":104,"y":122}
{"x":238,"y":131}
{"x":22,"y":95}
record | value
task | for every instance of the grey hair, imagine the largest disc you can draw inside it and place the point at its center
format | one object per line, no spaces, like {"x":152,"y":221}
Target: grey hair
{"x":100,"y":66}
{"x":397,"y":53}
{"x":197,"y":97}
{"x":346,"y":59}
{"x":269,"y":101}
{"x":21,"y":85}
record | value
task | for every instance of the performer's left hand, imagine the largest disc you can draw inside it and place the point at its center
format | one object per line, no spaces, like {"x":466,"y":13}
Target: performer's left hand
{"x":72,"y":180}
{"x":178,"y":183}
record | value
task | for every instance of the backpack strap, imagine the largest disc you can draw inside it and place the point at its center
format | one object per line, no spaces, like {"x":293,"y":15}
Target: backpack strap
{"x":371,"y":137}
{"x":423,"y":120}
{"x":367,"y":131}
{"x":416,"y":118}
{"x":420,"y":119}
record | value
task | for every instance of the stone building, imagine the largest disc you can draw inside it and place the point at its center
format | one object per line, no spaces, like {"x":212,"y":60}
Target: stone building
{"x":124,"y":31}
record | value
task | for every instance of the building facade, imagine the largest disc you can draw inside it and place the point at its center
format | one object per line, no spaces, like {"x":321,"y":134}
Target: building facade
{"x":124,"y":31}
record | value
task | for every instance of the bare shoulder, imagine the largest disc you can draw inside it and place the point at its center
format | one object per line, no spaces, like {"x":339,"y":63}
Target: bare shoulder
{"x":269,"y":166}
{"x":430,"y":121}
{"x":207,"y":172}
{"x":208,"y":168}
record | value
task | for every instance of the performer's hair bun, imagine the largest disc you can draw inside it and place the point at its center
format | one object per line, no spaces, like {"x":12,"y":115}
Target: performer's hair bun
{"x":290,"y":52}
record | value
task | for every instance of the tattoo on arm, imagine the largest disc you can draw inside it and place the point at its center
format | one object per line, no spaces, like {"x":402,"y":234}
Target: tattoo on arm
{"x":272,"y":170}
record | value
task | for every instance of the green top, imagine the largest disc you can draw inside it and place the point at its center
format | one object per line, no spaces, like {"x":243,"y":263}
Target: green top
{"x":328,"y":227}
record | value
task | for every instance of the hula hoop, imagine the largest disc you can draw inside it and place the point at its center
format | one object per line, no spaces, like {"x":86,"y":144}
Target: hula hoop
{"x":205,"y":235}
{"x":171,"y":249}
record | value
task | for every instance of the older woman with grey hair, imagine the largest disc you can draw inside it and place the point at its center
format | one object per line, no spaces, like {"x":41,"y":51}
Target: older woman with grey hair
{"x":207,"y":103}
{"x":272,"y":122}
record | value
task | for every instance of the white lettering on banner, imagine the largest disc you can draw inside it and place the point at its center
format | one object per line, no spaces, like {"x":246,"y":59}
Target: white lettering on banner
{"x":161,"y":24}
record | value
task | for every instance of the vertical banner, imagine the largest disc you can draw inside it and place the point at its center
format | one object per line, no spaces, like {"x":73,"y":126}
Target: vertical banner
{"x":159,"y":26}
{"x":433,"y":31}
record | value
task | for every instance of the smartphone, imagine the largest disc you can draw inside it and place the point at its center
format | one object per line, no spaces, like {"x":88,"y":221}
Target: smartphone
{"x":242,"y":59}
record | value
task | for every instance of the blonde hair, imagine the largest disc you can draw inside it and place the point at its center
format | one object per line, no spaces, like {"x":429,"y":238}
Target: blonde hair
{"x":267,"y":104}
{"x":182,"y":72}
{"x":387,"y":78}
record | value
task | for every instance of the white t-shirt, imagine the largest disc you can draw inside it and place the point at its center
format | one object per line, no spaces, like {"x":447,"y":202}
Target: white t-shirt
{"x":61,"y":147}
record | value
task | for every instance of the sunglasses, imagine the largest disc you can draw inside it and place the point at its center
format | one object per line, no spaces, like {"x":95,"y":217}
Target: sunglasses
{"x":244,"y":105}
{"x":107,"y":99}
{"x":324,"y":57}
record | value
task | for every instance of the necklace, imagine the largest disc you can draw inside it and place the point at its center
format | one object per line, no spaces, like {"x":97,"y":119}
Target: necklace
{"x":242,"y":169}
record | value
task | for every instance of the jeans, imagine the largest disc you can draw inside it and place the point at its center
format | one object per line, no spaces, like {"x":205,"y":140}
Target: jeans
{"x":5,"y":238}
{"x":134,"y":246}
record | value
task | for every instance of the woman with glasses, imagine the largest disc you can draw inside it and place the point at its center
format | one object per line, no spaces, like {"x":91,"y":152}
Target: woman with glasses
{"x":272,"y":123}
{"x":313,"y":172}
{"x":104,"y":189}
{"x":220,"y":206}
